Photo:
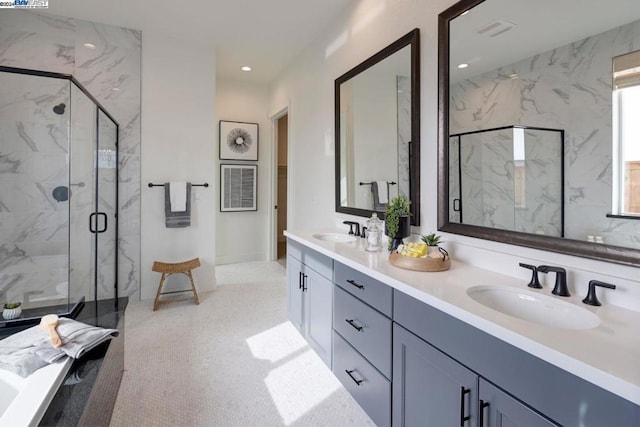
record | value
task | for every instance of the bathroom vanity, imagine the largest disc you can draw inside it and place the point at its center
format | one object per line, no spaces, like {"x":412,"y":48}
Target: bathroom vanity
{"x":413,"y":346}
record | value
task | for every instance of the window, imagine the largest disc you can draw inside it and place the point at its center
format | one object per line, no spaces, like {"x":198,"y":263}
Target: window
{"x":626,"y":134}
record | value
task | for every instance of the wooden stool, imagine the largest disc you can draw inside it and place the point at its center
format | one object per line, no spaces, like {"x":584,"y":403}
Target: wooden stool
{"x":167,"y":269}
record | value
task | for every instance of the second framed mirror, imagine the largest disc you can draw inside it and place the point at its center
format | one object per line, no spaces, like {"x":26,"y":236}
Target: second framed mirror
{"x":377,"y":131}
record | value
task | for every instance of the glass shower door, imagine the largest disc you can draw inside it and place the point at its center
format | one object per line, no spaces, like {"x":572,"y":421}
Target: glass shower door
{"x":106,"y":206}
{"x":82,"y":184}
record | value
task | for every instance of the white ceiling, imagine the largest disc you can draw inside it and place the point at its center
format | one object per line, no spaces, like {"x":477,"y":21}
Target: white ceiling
{"x":540,"y":26}
{"x":266,"y":35}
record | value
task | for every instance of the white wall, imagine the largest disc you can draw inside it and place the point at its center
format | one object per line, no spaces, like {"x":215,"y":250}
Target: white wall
{"x":244,"y":236}
{"x":178,"y":140}
{"x":308,"y":87}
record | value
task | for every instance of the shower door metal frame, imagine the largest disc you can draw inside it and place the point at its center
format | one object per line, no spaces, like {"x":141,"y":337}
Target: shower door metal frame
{"x":99,"y":107}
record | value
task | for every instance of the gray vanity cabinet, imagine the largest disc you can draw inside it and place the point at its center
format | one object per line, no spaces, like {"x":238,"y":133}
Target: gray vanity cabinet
{"x":430,"y":388}
{"x":408,"y":363}
{"x":310,"y":297}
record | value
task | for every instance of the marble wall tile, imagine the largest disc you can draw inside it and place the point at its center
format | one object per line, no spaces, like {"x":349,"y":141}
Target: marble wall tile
{"x":32,"y":144}
{"x":37,"y":41}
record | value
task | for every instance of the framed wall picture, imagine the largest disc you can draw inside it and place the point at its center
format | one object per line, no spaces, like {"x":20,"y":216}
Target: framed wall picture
{"x":238,"y":141}
{"x":238,"y":188}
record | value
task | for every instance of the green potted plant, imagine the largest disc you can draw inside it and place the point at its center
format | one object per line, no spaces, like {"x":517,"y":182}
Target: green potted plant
{"x":433,"y":243}
{"x":396,"y":221}
{"x":11,"y":310}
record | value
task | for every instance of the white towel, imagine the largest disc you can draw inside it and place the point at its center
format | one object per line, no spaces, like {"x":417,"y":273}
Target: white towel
{"x":29,"y":350}
{"x":178,"y":196}
{"x":383,"y":192}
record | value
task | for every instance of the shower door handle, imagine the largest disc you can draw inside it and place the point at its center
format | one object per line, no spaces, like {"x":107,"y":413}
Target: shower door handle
{"x":104,"y":215}
{"x":92,"y":222}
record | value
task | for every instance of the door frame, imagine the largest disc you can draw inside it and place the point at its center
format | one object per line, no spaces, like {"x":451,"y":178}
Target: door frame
{"x":273,"y":214}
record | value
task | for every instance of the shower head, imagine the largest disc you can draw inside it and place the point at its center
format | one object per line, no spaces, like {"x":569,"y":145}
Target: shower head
{"x":59,"y":109}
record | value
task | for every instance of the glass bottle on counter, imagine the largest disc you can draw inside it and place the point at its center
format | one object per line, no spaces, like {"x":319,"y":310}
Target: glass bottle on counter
{"x":373,"y":239}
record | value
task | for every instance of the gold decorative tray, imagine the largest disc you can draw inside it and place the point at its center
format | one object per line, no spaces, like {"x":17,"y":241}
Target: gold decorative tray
{"x":420,"y":264}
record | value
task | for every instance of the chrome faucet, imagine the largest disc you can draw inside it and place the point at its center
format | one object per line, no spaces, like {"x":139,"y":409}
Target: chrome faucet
{"x":560,"y":287}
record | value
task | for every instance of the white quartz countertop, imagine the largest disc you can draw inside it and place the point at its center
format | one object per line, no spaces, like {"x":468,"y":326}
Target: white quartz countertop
{"x":607,"y":355}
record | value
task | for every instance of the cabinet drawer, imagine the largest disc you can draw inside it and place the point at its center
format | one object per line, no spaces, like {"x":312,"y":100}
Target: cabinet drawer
{"x":375,"y":293}
{"x":364,"y":328}
{"x":367,"y":386}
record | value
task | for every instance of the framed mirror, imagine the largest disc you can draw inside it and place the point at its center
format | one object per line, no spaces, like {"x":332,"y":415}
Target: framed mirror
{"x":377,"y":131}
{"x":536,"y":140}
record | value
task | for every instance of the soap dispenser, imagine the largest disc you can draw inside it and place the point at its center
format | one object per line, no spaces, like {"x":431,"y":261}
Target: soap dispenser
{"x":373,"y":239}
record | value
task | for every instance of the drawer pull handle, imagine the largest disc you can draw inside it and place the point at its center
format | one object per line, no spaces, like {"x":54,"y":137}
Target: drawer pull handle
{"x":353,"y":282}
{"x":483,"y":405}
{"x":349,"y":372}
{"x":356,"y":327}
{"x":463,"y":393}
{"x":300,"y":280}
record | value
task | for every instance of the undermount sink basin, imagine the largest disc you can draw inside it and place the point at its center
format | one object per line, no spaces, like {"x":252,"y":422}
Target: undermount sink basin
{"x":335,"y":237}
{"x":533,"y":307}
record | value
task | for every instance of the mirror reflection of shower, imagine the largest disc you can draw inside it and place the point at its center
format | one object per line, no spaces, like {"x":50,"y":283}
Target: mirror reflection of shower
{"x":510,"y":178}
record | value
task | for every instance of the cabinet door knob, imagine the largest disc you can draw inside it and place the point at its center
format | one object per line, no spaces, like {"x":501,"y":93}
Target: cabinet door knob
{"x":356,"y":327}
{"x":350,"y":372}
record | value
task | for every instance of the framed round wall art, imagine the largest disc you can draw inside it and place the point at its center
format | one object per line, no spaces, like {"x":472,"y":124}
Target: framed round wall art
{"x":238,"y":141}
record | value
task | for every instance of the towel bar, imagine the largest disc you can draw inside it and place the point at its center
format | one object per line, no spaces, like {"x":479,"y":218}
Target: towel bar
{"x":369,"y":183}
{"x":206,"y":184}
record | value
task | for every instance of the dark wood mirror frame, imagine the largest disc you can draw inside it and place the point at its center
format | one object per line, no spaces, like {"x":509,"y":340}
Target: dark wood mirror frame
{"x":411,"y":39}
{"x":598,"y":251}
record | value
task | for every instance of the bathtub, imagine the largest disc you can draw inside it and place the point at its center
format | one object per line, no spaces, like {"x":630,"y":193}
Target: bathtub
{"x":23,"y":401}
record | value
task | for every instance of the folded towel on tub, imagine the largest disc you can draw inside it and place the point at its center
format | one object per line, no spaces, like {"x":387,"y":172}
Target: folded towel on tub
{"x":177,"y":219}
{"x":27,"y":351}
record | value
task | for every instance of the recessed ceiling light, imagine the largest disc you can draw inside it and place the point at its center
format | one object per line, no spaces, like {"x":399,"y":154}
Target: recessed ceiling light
{"x":89,"y":45}
{"x":463,"y":65}
{"x":246,"y":68}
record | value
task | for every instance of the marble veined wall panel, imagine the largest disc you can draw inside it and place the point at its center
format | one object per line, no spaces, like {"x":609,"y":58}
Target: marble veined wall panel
{"x":37,"y":41}
{"x":111,"y":73}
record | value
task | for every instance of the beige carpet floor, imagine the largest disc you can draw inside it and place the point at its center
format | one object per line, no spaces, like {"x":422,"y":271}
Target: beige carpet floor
{"x":233,"y":360}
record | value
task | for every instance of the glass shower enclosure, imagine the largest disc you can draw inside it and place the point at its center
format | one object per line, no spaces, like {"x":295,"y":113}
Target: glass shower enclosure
{"x":58,"y":194}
